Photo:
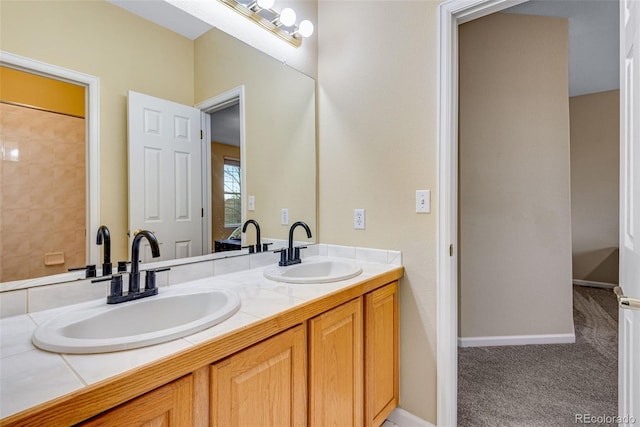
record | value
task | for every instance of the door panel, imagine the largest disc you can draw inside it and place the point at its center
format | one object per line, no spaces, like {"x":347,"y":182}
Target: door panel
{"x":165,"y":175}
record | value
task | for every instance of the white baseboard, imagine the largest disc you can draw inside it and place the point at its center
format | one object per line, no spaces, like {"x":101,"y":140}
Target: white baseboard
{"x":593,"y":284}
{"x":516,"y":340}
{"x":406,"y":419}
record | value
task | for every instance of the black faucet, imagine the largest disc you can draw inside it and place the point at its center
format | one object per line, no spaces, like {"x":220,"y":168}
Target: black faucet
{"x":258,"y":247}
{"x":291,"y":255}
{"x":116,"y":295}
{"x":134,"y":276}
{"x":104,"y":235}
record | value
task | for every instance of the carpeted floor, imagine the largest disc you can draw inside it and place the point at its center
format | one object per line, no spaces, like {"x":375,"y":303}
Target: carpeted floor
{"x":546,"y":385}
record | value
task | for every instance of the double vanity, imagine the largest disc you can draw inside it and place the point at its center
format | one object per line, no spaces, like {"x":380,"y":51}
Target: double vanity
{"x":312,"y":343}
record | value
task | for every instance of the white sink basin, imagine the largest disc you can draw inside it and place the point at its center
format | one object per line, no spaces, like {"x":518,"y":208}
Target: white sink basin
{"x":314,"y":272}
{"x":134,"y":324}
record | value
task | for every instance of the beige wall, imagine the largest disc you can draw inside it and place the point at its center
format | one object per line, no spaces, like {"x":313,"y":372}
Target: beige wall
{"x":377,"y":145}
{"x":515,"y":212}
{"x":280,"y":140}
{"x":103,"y":40}
{"x":595,"y":166}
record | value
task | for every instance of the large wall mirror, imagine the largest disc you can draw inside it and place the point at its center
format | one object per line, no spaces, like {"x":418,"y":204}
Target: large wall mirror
{"x":276,"y":164}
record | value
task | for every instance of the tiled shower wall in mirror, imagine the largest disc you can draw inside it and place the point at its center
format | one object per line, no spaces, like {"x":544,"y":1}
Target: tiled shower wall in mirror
{"x":43,"y":178}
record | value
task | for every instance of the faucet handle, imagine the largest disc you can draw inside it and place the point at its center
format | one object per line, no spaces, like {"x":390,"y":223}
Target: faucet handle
{"x":265,"y":246}
{"x":251,"y":248}
{"x":150,"y":277}
{"x":283,"y":256}
{"x":90,"y":269}
{"x":296,"y":252}
{"x":115,"y":288}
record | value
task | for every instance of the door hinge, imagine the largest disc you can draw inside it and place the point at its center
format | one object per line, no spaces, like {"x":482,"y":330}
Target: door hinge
{"x":201,"y":134}
{"x":451,"y":249}
{"x":202,"y":212}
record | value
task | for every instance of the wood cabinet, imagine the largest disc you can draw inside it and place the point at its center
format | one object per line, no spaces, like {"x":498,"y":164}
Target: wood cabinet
{"x":332,"y":361}
{"x":381,"y":353}
{"x":166,"y":406}
{"x":336,"y":367}
{"x":353,"y":361}
{"x":264,"y":385}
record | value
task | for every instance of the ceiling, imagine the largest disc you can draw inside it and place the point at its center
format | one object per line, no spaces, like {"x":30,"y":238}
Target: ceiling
{"x":166,"y":15}
{"x":593,"y":34}
{"x":594,"y":64}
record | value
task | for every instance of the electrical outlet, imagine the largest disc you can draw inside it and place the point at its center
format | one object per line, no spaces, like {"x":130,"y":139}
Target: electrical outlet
{"x":358,"y":219}
{"x":423,"y":201}
{"x":284,"y":217}
{"x":252,"y":203}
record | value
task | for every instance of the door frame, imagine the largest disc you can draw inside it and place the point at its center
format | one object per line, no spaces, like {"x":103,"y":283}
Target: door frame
{"x":451,"y":14}
{"x":207,"y":107}
{"x":92,"y":117}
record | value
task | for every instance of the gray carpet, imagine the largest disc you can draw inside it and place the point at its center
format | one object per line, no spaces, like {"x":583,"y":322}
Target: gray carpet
{"x":546,"y":385}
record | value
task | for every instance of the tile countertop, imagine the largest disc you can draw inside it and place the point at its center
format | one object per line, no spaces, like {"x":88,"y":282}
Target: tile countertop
{"x":30,"y":376}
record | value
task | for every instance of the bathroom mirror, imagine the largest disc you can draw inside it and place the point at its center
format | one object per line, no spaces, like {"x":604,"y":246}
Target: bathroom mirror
{"x":127,"y":52}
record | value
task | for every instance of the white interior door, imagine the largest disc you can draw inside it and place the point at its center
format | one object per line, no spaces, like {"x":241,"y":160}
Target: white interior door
{"x":165,"y":175}
{"x":629,"y":334}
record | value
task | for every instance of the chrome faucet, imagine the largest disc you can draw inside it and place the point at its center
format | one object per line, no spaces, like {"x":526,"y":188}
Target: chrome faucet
{"x":104,"y":235}
{"x":291,"y":255}
{"x":134,"y":276}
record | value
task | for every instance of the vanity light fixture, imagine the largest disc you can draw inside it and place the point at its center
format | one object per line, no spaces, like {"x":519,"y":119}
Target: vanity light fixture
{"x":282,"y":24}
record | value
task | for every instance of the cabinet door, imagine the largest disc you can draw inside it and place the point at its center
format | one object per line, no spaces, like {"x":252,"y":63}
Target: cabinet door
{"x":335,"y":367}
{"x":169,"y":405}
{"x":381,"y":353}
{"x":264,"y":385}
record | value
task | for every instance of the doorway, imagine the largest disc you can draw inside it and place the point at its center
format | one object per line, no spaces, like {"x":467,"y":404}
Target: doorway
{"x":453,"y":13}
{"x":87,"y":253}
{"x":224,"y":207}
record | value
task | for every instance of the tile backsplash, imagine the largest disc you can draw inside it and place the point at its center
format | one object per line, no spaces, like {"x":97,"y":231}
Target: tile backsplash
{"x":20,"y":301}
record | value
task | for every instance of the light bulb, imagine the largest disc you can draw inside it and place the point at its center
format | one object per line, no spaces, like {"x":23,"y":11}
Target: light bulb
{"x":306,"y":28}
{"x":287,"y":17}
{"x":265,"y":4}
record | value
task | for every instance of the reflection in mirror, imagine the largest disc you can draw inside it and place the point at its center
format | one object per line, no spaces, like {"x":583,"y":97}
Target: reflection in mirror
{"x":42,"y":127}
{"x":127,"y":52}
{"x":226,"y":178}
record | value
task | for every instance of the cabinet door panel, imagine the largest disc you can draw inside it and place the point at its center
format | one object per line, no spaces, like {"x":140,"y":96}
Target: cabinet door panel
{"x":335,"y":367}
{"x":166,"y":406}
{"x":264,"y":385}
{"x":381,"y":353}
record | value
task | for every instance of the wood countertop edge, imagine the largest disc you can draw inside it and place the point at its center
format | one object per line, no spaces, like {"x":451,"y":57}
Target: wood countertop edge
{"x":94,"y":399}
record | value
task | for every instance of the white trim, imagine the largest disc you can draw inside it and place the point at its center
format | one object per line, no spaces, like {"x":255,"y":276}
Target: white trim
{"x":403,"y":418}
{"x":92,"y":84}
{"x":516,"y":340}
{"x":205,"y":124}
{"x":209,"y":106}
{"x":592,"y":284}
{"x":451,"y":14}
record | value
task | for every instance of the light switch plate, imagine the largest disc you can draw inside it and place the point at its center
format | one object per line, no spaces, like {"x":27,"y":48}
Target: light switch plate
{"x":284,"y":217}
{"x":423,"y":201}
{"x":251,"y":203}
